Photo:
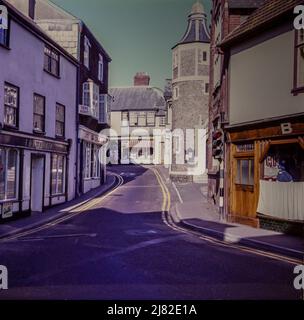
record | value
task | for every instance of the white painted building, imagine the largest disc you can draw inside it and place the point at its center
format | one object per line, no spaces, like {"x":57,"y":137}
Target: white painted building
{"x":38,"y":136}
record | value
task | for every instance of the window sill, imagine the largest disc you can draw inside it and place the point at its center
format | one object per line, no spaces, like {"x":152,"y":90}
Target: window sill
{"x":39,"y":133}
{"x":297,"y":91}
{"x":51,"y":74}
{"x":59,"y":195}
{"x":10,"y":128}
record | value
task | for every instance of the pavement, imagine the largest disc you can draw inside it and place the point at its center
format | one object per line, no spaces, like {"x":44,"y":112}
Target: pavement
{"x":120,"y":248}
{"x":194,"y":212}
{"x":11,"y":228}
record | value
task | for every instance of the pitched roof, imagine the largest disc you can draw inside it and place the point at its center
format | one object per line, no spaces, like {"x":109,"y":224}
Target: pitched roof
{"x":36,"y":30}
{"x":137,"y":99}
{"x":263,"y":16}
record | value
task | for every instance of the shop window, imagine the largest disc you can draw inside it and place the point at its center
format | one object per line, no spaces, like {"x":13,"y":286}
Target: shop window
{"x":51,"y":61}
{"x":87,"y":160}
{"x":58,"y":174}
{"x":245,"y":172}
{"x":96,"y":162}
{"x":284,"y":163}
{"x":8,"y":173}
{"x":11,"y":105}
{"x":299,"y":63}
{"x":39,"y":113}
{"x":60,"y":120}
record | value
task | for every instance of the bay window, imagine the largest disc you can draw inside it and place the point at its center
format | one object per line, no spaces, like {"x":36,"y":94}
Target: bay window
{"x":299,"y":63}
{"x":90,"y":98}
{"x":58,"y":174}
{"x":11,"y":105}
{"x":8,"y":174}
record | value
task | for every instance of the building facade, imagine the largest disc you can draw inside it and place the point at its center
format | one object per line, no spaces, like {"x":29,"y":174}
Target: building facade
{"x":93,"y":100}
{"x":265,"y":145}
{"x":225,"y":17}
{"x":190,"y":92}
{"x":38,"y":82}
{"x":139,"y":119}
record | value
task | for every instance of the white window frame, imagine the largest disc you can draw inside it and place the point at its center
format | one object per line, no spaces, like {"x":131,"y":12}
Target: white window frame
{"x":87,"y":161}
{"x":5,"y":173}
{"x":100,"y":68}
{"x":96,"y":162}
{"x":86,"y":52}
{"x":90,"y":97}
{"x":58,"y":192}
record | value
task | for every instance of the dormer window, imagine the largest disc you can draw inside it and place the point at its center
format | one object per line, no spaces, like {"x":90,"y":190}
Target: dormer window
{"x":100,"y":68}
{"x":86,"y":54}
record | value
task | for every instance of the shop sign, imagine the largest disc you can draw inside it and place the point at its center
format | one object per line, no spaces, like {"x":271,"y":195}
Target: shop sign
{"x":286,"y":128}
{"x":7,"y":210}
{"x":92,"y":137}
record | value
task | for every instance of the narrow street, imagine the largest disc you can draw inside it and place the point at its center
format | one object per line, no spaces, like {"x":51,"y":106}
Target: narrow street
{"x":120,"y":248}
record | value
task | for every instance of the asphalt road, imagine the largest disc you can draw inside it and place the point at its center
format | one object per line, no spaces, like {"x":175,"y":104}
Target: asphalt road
{"x":121,"y":249}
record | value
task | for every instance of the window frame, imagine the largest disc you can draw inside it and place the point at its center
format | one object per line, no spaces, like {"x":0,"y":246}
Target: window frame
{"x":101,"y":68}
{"x":86,"y":52}
{"x":154,"y":119}
{"x":59,"y":121}
{"x":296,"y":86}
{"x":49,"y":66}
{"x":57,"y":191}
{"x":35,"y":113}
{"x":239,"y":173}
{"x":17,"y":108}
{"x":7,"y":150}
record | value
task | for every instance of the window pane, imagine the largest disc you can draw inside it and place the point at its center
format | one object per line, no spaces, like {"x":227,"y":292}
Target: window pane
{"x":301,"y":66}
{"x":245,"y":172}
{"x":60,"y":181}
{"x":151,"y":118}
{"x":142,"y":122}
{"x":59,"y":113}
{"x":2,"y":173}
{"x":10,"y":96}
{"x":54,"y":174}
{"x":10,"y":116}
{"x":11,"y":174}
{"x":3,"y":37}
{"x":59,"y":129}
{"x":133,"y":119}
{"x":38,"y":123}
{"x":251,"y":180}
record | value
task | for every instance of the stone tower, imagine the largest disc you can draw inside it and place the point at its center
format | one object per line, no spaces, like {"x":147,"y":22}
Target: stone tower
{"x":190,"y":74}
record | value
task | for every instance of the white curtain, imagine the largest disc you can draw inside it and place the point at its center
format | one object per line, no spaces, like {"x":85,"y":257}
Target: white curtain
{"x":283,"y":200}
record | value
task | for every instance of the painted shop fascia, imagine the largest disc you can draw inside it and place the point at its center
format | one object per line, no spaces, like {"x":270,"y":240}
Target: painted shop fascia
{"x":37,"y":147}
{"x":264,"y":152}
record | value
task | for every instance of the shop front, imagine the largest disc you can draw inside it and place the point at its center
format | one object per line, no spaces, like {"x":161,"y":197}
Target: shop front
{"x":266,"y":167}
{"x":92,"y":159}
{"x":33,"y":174}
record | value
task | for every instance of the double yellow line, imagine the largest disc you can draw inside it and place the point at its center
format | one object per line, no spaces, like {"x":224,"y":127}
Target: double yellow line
{"x":75,"y":212}
{"x":168,"y":220}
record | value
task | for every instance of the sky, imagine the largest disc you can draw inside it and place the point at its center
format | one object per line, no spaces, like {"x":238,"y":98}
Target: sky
{"x":137,"y":34}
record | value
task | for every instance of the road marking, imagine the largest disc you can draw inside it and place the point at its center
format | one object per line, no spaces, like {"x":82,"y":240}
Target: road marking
{"x":178,"y":193}
{"x":73,"y":214}
{"x":59,"y":236}
{"x":167,"y":219}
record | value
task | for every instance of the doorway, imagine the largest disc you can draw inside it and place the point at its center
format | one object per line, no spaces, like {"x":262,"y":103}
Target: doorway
{"x":37,"y":182}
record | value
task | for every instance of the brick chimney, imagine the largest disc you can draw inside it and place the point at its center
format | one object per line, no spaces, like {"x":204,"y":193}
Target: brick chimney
{"x":141,"y":79}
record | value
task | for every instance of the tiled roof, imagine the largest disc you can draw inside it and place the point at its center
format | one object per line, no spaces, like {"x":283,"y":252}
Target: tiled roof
{"x":137,"y":98}
{"x":268,"y":12}
{"x":244,"y":4}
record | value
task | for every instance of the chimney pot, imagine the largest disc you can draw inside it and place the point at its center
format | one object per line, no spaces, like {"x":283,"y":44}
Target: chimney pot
{"x":141,"y":79}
